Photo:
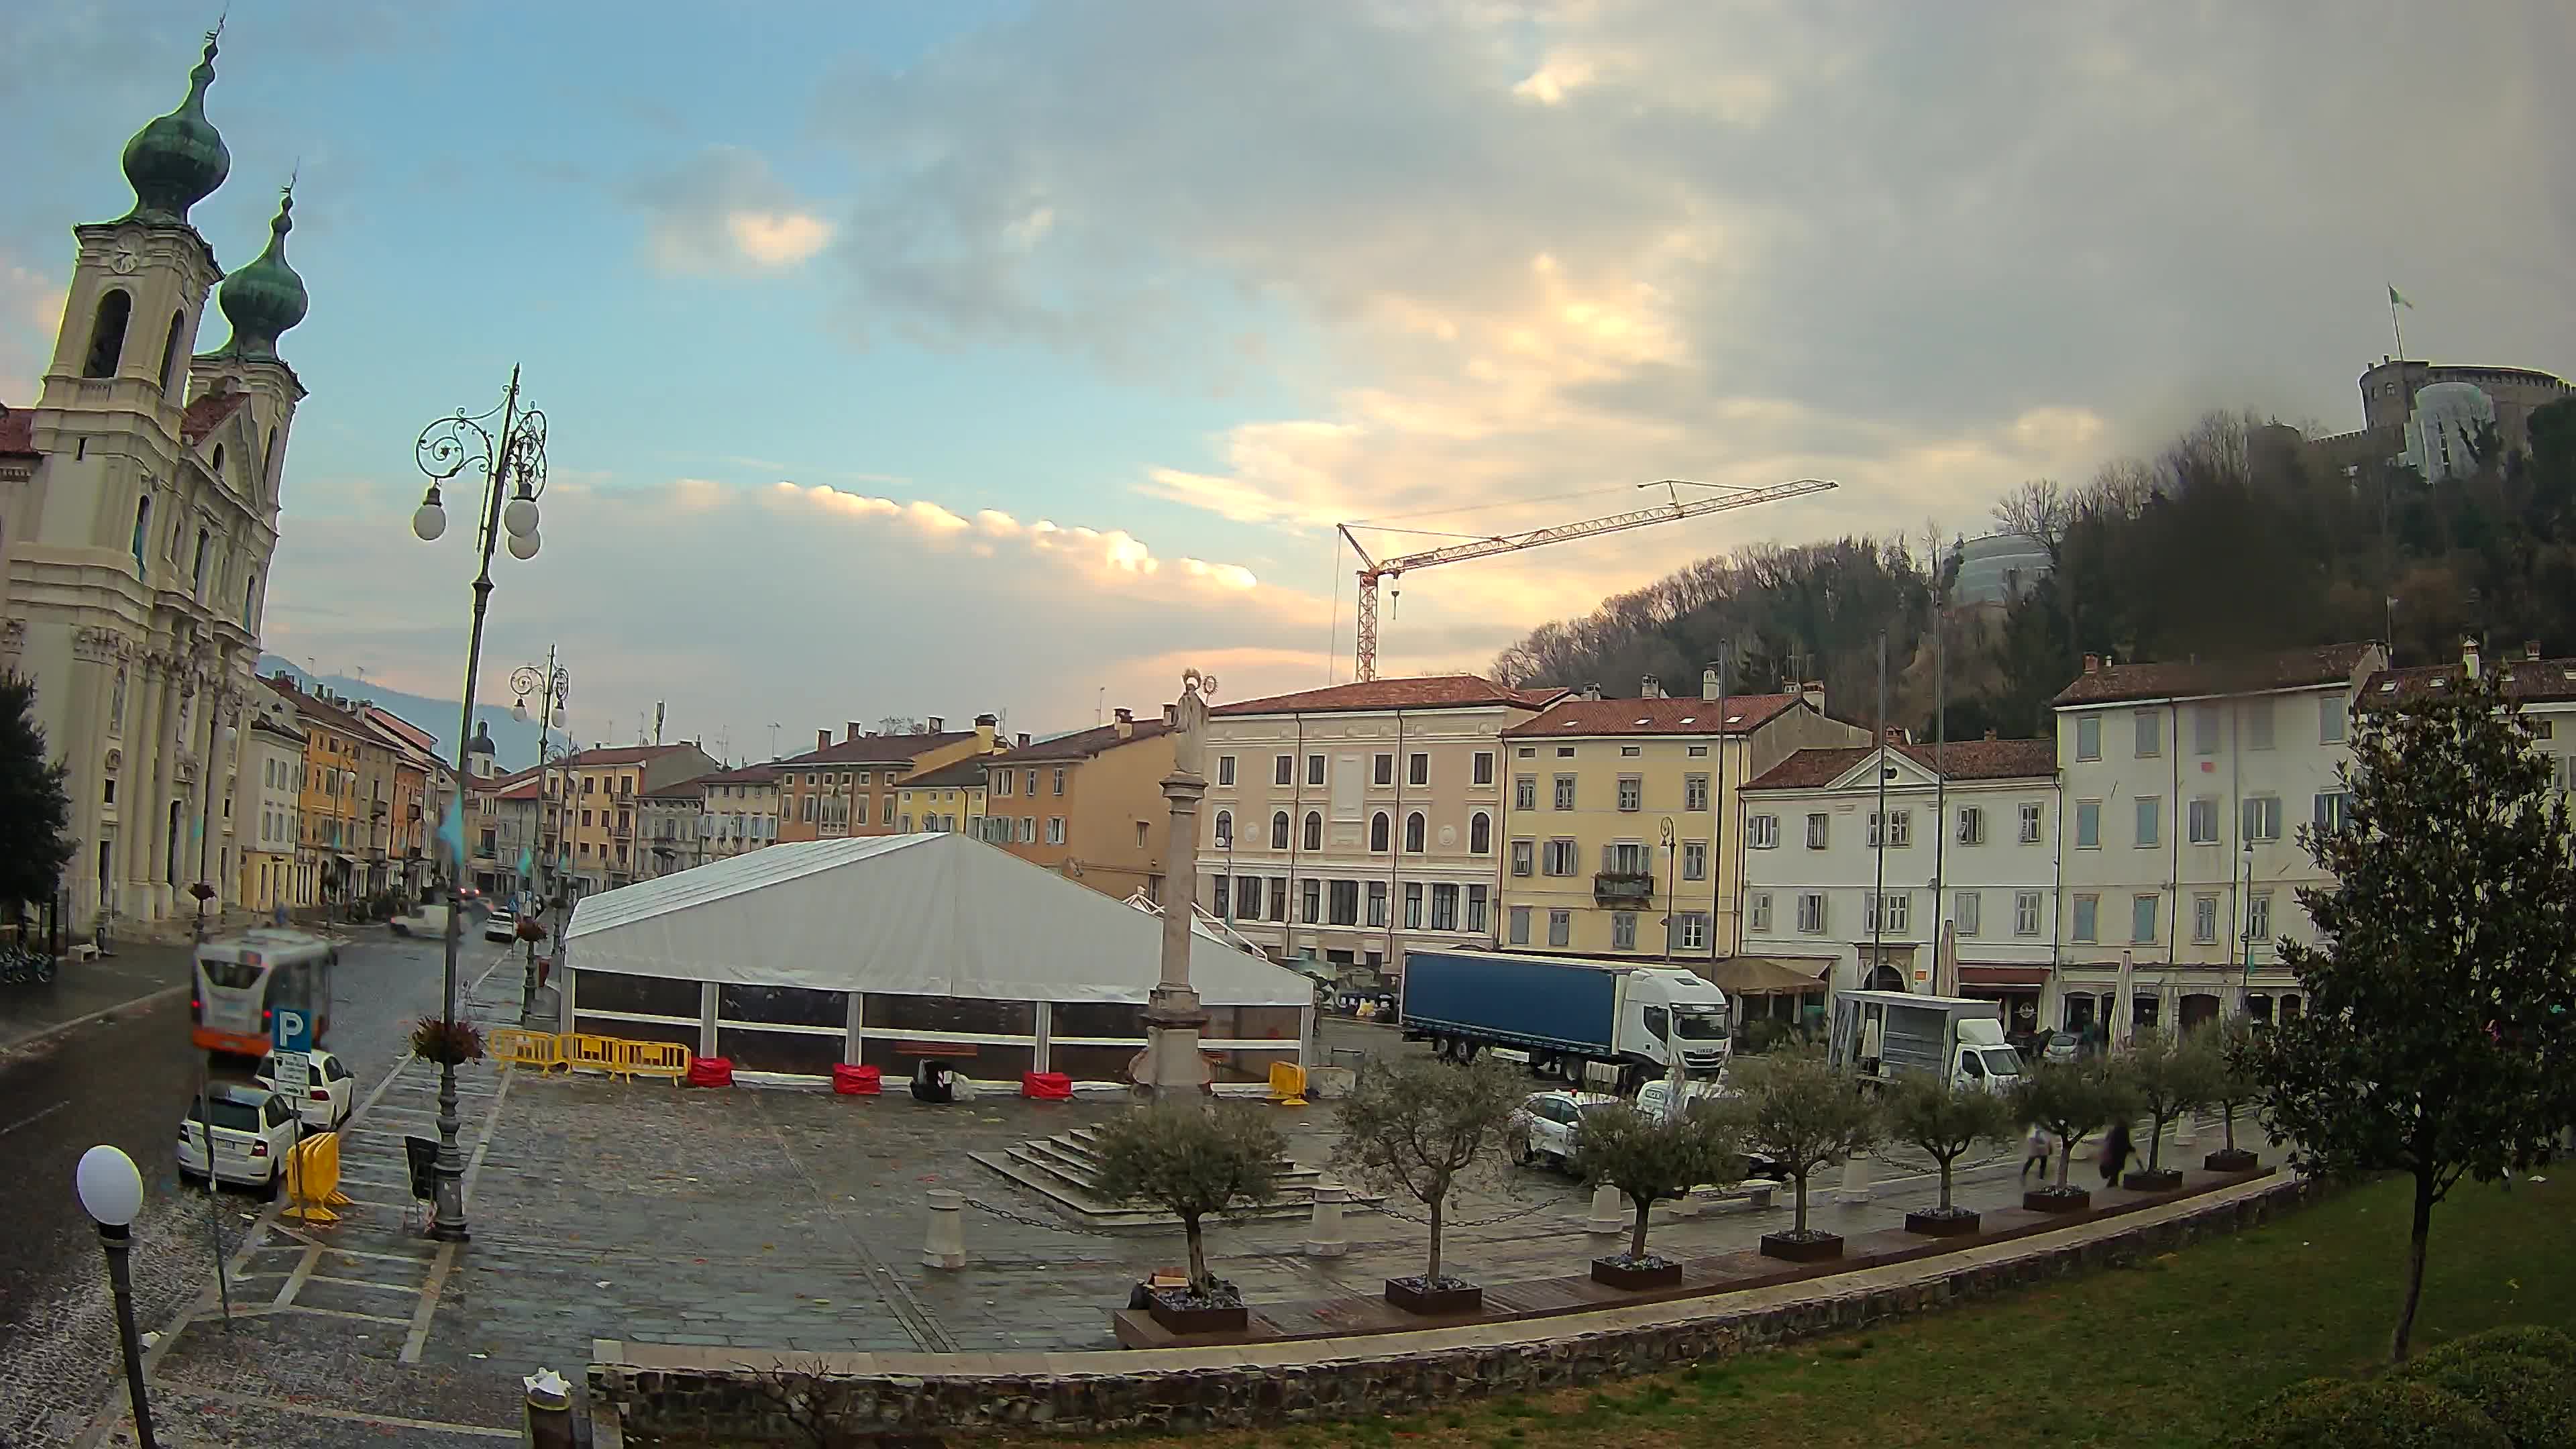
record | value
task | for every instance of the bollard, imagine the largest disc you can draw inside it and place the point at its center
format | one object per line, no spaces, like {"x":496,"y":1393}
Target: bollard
{"x":1325,"y":1237}
{"x":1609,"y":1212}
{"x":946,"y":1245}
{"x":548,"y":1424}
{"x":1855,"y":1188}
{"x":2187,"y":1131}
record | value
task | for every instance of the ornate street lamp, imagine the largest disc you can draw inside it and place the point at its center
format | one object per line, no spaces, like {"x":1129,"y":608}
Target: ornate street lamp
{"x":551,"y":686}
{"x":516,"y":459}
{"x":111,"y":1192}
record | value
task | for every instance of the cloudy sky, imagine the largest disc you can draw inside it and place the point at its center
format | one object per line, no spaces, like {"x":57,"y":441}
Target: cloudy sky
{"x":930,"y":359}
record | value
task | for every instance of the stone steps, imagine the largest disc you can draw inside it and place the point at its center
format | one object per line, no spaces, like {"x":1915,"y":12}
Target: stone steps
{"x":1063,"y":1171}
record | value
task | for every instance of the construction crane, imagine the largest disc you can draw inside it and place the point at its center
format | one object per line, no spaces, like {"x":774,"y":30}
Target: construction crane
{"x":1375,"y":570}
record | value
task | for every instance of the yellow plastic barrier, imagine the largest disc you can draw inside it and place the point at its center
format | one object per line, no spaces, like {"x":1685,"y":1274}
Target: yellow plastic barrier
{"x":600,"y":1053}
{"x":654,"y":1059}
{"x":520,"y":1047}
{"x":1287,"y":1084}
{"x":313,"y":1179}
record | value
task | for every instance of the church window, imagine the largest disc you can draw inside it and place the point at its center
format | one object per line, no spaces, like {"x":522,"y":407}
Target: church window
{"x":142,"y":528}
{"x":197,"y":574}
{"x":107,"y":334}
{"x":218,"y":469}
{"x":170,"y":352}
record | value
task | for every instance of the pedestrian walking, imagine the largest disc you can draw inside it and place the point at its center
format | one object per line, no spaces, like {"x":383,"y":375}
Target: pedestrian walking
{"x":2116,"y":1152}
{"x":2036,"y":1152}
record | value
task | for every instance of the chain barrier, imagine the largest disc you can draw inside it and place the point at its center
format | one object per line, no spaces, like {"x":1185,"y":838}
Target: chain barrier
{"x":1024,"y":1220}
{"x":1423,"y":1220}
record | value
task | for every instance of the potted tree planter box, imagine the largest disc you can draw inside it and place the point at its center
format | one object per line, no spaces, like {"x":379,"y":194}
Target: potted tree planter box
{"x":1934,"y":1223}
{"x":1635,"y":1274}
{"x":1814,"y":1247}
{"x":2231,"y":1159}
{"x":1432,"y":1298}
{"x":1179,"y":1310}
{"x":2056,"y":1200}
{"x":2152,"y":1179}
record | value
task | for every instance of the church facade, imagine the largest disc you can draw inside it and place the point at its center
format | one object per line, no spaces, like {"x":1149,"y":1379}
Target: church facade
{"x":138,"y":514}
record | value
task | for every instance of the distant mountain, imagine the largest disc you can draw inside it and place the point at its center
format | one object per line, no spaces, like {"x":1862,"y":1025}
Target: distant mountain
{"x":513,"y":742}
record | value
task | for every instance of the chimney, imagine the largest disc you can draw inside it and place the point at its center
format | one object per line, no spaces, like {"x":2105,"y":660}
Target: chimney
{"x":1592,"y":690}
{"x":1708,"y":682}
{"x":850,"y":731}
{"x":1990,"y":734}
{"x":2469,"y":655}
{"x":1650,"y":688}
{"x":985,"y":724}
{"x":2531,"y":650}
{"x":822,"y":739}
{"x":2092,"y":663}
{"x":1126,"y":724}
{"x":1022,"y":739}
{"x":938,"y":724}
{"x":1813,"y":692}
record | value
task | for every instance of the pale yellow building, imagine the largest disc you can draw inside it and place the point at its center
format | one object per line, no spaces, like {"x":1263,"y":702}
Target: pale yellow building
{"x":598,"y":805}
{"x":1618,"y":819}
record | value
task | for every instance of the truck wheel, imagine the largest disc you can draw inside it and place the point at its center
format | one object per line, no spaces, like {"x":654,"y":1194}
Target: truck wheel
{"x":1466,"y":1052}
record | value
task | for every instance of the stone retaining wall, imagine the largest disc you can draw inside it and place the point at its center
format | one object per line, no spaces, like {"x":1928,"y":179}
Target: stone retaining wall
{"x":676,"y":1396}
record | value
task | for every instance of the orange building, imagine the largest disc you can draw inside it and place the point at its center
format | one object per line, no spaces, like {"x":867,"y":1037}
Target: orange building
{"x":850,"y":787}
{"x":1088,"y":805}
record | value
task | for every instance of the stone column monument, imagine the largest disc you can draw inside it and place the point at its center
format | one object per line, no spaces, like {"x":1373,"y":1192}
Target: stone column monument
{"x":1171,"y":1067}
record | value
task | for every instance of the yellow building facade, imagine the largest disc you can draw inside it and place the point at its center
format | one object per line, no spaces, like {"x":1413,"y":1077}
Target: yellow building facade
{"x":1619,"y":818}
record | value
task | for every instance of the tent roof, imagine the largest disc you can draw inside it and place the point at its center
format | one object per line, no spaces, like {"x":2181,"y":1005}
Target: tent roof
{"x":933,"y":914}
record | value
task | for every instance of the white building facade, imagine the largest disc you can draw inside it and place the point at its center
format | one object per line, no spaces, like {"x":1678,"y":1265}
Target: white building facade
{"x":1342,"y":825}
{"x":1968,"y":843}
{"x":2184,"y":786}
{"x":270,"y":802}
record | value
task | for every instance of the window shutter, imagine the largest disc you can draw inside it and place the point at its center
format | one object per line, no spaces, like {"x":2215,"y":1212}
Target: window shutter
{"x":1609,"y":859}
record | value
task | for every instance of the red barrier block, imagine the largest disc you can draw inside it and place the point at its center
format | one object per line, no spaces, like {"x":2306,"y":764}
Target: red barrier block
{"x":1046,"y":1086}
{"x":711,"y":1072}
{"x":849,"y":1079}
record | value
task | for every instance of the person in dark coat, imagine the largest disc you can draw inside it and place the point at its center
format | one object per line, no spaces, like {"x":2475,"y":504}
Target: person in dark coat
{"x":2116,"y":1152}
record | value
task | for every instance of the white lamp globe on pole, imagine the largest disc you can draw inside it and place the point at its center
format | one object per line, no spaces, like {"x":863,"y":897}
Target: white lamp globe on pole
{"x":430,"y":519}
{"x":523,"y":546}
{"x":111,"y":1189}
{"x":520,"y":516}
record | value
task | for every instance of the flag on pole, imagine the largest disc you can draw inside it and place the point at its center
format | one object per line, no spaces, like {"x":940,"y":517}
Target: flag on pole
{"x":451,"y":835}
{"x":2397,"y":298}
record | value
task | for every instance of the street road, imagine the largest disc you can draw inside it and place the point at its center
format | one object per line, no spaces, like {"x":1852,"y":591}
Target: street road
{"x":126,"y":1081}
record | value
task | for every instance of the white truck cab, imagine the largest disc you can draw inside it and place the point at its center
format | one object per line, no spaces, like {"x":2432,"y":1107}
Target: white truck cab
{"x":1669,"y":1011}
{"x":1880,"y":1036}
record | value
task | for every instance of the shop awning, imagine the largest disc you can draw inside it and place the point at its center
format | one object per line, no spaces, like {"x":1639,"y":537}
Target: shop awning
{"x":1766,"y":975}
{"x":1972,"y":975}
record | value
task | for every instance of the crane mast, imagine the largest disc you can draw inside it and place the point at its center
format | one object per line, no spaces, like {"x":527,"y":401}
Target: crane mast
{"x":1373,"y":571}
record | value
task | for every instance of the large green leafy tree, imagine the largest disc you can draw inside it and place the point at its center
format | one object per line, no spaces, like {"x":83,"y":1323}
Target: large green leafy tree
{"x":35,"y":811}
{"x":2440,"y":1035}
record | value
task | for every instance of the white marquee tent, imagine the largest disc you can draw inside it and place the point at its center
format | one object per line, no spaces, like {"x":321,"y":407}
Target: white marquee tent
{"x":886,"y":949}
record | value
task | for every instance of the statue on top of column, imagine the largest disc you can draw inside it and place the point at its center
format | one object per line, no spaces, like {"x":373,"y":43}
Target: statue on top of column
{"x":1189,"y":720}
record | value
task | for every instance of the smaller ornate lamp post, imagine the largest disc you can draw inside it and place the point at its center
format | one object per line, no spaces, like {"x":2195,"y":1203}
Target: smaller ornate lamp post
{"x":111,"y":1192}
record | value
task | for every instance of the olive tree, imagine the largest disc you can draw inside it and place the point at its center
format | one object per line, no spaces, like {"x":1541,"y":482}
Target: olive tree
{"x":1651,"y":1157}
{"x":2074,"y":1100}
{"x":1190,"y":1160}
{"x":1805,"y":1114}
{"x":2171,"y":1075}
{"x":1942,"y":1119}
{"x":2440,"y":1035}
{"x":1416,"y":1125}
{"x":2231,"y":1087}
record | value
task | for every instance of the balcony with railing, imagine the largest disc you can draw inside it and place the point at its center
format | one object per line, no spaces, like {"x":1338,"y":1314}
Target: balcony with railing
{"x":1623,"y":887}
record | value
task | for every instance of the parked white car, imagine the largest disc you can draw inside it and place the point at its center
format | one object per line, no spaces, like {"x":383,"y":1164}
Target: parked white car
{"x":329,"y":1096}
{"x":1543,"y":1129}
{"x":246,"y":1131}
{"x":501,"y":925}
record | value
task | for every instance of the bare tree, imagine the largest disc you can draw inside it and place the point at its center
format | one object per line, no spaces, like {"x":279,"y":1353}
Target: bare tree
{"x":2038,"y":509}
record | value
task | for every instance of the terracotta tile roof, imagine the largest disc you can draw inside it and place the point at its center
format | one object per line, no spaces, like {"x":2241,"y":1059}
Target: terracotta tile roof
{"x":1581,"y":718}
{"x":1435,"y":691}
{"x":693,"y":788}
{"x":761,"y":774}
{"x":2192,"y":679}
{"x":1081,"y":744}
{"x":875,"y":749}
{"x":1959,"y":760}
{"x":519,"y":790}
{"x":968,"y":772}
{"x":207,"y":413}
{"x":17,"y":432}
{"x":322,"y":709}
{"x":620,"y":755}
{"x":2529,"y":680}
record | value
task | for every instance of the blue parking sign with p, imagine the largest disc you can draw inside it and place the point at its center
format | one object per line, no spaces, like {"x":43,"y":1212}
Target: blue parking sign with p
{"x":294,"y":1031}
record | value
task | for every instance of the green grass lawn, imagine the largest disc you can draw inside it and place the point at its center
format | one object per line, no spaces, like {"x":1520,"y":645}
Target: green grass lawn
{"x":2165,"y":1353}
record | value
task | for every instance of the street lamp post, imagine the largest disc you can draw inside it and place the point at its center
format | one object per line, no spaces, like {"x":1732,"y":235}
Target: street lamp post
{"x":447,"y":448}
{"x":1173,"y":1068}
{"x":551,"y":686}
{"x":111,"y":1192}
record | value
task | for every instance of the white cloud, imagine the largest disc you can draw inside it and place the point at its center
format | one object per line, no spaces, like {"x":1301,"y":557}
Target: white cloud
{"x":724,"y":210}
{"x":1104,"y":552}
{"x":777,"y":238}
{"x":31,"y":303}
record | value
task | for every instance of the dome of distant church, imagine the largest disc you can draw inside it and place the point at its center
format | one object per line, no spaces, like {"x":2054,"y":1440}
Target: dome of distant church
{"x":179,"y":159}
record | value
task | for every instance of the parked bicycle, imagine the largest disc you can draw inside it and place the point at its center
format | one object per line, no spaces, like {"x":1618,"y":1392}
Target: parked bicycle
{"x":19,"y":965}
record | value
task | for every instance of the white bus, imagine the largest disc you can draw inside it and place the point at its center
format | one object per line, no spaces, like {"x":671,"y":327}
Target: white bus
{"x":243,"y":982}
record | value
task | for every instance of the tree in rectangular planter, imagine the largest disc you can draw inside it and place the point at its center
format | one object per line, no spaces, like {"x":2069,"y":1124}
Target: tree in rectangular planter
{"x":1805,"y":1115}
{"x":1942,"y":1119}
{"x":1191,"y":1161}
{"x":2171,"y":1075}
{"x":1650,"y":1158}
{"x":2072,"y":1100}
{"x":2440,"y":1035}
{"x":2230,"y":1090}
{"x":1419,"y":1126}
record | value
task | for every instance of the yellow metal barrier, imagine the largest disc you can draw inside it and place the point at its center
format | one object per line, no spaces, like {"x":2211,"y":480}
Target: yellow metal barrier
{"x":1288,"y":1084}
{"x":313,"y":1179}
{"x":654,"y":1059}
{"x":600,"y":1053}
{"x":520,"y":1047}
